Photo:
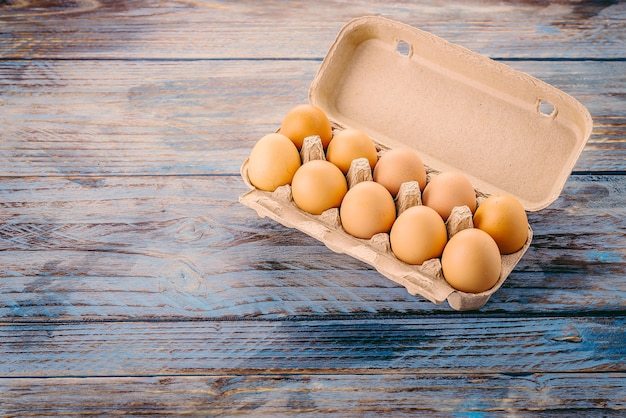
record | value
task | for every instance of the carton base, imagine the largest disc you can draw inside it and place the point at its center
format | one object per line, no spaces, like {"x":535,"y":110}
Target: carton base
{"x":424,"y":280}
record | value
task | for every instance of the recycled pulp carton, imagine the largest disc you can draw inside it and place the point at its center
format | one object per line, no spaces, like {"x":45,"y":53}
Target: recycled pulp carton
{"x":461,"y":111}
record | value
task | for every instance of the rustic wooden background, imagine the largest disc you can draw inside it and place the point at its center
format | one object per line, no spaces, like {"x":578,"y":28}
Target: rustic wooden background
{"x":132,"y":280}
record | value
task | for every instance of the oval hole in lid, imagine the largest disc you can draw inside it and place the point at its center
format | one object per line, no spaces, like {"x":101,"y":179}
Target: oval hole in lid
{"x":404,"y":48}
{"x":546,"y":108}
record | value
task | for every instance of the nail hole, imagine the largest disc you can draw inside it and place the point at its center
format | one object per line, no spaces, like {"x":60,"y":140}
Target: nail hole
{"x":403,"y":48}
{"x":546,"y":108}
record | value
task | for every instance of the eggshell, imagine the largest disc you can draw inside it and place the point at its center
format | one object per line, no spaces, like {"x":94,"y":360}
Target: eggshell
{"x":471,"y":261}
{"x":447,"y":190}
{"x":273,"y":161}
{"x":306,"y":120}
{"x":318,"y":185}
{"x":348,"y":145}
{"x":397,"y":166}
{"x":417,"y":235}
{"x":367,"y":209}
{"x":504,"y":218}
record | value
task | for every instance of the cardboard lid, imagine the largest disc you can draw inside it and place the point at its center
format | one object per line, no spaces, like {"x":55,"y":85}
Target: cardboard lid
{"x":507,"y":131}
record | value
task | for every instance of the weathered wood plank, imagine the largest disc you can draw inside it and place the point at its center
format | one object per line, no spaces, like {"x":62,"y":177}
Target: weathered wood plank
{"x":201,"y":29}
{"x":180,"y":246}
{"x":397,"y":393}
{"x":465,"y":344}
{"x":203,"y":117}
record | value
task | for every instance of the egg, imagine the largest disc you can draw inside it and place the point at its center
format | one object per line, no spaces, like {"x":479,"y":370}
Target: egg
{"x":447,"y":190}
{"x":471,"y":261}
{"x":417,"y":235}
{"x":273,"y":162}
{"x":504,"y":218}
{"x":306,"y":120}
{"x":367,"y":209}
{"x":350,"y":144}
{"x":397,"y":166}
{"x":318,"y":185}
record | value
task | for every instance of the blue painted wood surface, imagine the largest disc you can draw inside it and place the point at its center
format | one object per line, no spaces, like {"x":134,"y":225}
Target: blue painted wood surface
{"x":132,"y":281}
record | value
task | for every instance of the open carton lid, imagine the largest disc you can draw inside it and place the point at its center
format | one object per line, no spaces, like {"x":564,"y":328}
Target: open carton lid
{"x":507,"y":131}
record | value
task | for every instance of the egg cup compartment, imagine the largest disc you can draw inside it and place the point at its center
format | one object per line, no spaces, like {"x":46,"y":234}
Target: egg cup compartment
{"x":426,"y":279}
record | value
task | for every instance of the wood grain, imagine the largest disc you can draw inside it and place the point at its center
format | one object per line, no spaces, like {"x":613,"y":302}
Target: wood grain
{"x":133,"y":282}
{"x":182,"y":246}
{"x":224,"y":30}
{"x":203,"y":117}
{"x":398,"y":393}
{"x":466,"y":344}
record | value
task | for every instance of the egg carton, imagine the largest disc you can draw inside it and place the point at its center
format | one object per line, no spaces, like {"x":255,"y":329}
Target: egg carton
{"x":426,"y":280}
{"x":507,"y":131}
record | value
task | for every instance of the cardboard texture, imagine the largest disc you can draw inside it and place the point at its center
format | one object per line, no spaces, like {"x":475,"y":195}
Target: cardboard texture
{"x":461,"y":111}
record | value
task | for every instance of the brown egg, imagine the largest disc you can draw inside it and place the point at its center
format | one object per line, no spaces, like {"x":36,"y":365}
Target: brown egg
{"x":471,"y":261}
{"x":348,"y":145}
{"x":273,"y":161}
{"x":418,"y":234}
{"x":306,"y":120}
{"x":398,"y":166}
{"x":318,"y":185}
{"x":367,"y":209}
{"x":447,"y":190}
{"x":504,"y":218}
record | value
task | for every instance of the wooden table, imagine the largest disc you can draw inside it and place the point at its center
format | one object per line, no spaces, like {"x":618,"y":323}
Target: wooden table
{"x":132,"y":280}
